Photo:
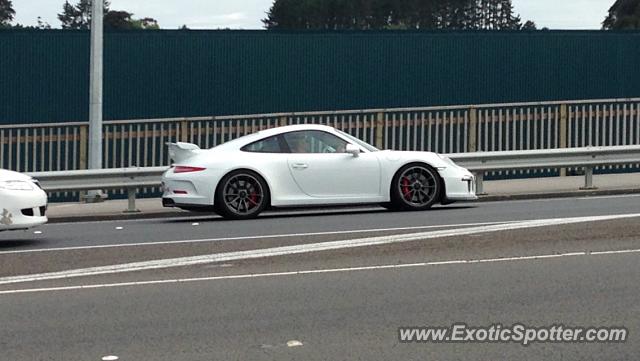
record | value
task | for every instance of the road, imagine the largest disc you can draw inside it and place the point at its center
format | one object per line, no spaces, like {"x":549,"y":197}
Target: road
{"x":344,"y":303}
{"x":301,"y":222}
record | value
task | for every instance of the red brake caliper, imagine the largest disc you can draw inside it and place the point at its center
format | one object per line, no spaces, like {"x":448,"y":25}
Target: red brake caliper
{"x":254,"y":198}
{"x":406,"y":189}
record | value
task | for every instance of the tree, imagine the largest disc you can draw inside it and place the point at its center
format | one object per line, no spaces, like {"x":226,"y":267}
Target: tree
{"x":118,"y":20}
{"x":393,"y":14}
{"x":529,"y":25}
{"x":6,"y":13}
{"x":478,"y":14}
{"x":624,"y":14}
{"x":79,"y":17}
{"x":146,"y":23}
{"x":41,"y":24}
{"x":124,"y":20}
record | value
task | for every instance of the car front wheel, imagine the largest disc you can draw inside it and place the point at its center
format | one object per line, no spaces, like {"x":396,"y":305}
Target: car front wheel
{"x":415,"y":187}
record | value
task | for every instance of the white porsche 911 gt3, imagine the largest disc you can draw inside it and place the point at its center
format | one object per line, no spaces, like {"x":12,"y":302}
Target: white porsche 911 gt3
{"x":307,"y":165}
{"x":22,"y":202}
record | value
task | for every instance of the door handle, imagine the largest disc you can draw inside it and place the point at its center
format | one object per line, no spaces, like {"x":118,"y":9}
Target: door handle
{"x":299,"y":166}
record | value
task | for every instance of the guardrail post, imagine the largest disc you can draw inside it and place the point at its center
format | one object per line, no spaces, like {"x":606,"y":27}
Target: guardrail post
{"x":283,"y":121}
{"x":563,"y":133}
{"x":380,"y":130}
{"x":184,"y":131}
{"x":472,"y":135}
{"x":131,"y":204}
{"x":479,"y":183}
{"x":82,"y":162}
{"x":588,"y":179}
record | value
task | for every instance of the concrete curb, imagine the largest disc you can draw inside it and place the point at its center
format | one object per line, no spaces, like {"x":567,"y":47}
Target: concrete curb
{"x":124,"y":216}
{"x":566,"y":194}
{"x":488,"y":198}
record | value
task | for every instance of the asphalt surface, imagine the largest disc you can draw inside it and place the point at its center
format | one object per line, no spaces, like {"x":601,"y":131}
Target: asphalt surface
{"x":345,"y":304}
{"x":302,"y":222}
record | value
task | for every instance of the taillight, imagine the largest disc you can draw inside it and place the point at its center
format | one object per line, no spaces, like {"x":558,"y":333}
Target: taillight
{"x":186,"y":169}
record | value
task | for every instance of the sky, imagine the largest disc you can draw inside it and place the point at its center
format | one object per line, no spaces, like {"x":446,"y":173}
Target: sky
{"x":246,"y":14}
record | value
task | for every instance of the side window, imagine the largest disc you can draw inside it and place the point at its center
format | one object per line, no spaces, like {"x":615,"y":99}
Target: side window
{"x":314,"y":141}
{"x":267,"y":145}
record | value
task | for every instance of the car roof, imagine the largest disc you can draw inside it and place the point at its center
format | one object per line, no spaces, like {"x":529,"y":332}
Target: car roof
{"x":247,"y":139}
{"x":293,"y":128}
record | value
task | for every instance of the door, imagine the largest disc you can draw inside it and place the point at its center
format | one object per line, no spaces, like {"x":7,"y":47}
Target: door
{"x":321,"y":168}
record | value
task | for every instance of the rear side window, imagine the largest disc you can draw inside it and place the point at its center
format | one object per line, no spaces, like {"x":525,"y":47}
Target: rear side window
{"x":267,"y":145}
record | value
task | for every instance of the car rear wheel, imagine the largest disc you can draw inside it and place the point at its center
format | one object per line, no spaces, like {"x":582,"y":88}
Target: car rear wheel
{"x":415,"y":187}
{"x":242,"y":194}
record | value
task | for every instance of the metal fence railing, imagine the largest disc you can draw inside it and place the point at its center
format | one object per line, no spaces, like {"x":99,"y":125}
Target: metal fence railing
{"x":132,"y":180}
{"x":447,"y":129}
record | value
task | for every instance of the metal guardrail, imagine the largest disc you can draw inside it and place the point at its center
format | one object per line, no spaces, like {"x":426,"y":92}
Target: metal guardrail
{"x":587,"y":157}
{"x":129,"y":179}
{"x":133,"y":179}
{"x":443,"y":129}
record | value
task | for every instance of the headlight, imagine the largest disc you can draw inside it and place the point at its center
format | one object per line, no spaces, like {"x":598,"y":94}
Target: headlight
{"x":16,"y":185}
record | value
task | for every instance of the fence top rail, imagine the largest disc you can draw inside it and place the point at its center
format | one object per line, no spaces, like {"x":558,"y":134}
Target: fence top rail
{"x":330,"y":113}
{"x":548,"y":158}
{"x":537,"y":153}
{"x":76,"y":175}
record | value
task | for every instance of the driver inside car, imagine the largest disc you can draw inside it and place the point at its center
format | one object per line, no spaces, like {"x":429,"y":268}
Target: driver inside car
{"x":298,"y":143}
{"x":315,"y":142}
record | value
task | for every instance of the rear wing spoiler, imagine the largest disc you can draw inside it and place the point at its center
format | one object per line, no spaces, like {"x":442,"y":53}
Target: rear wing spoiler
{"x":180,"y":152}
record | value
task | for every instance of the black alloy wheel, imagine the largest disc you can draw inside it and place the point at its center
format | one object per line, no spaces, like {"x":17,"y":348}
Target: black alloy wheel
{"x":243,"y":194}
{"x":415,"y":187}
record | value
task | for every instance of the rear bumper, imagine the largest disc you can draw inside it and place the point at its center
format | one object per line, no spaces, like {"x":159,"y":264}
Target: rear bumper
{"x":168,"y":202}
{"x":182,"y":201}
{"x":186,"y":191}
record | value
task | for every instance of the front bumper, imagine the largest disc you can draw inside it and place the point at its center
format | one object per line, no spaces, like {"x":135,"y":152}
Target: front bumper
{"x":22,"y":209}
{"x":460,"y":185}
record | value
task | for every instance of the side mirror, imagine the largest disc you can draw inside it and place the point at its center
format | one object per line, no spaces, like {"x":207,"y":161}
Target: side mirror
{"x":353,"y":150}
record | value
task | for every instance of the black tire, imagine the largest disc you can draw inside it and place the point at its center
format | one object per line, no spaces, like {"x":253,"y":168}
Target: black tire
{"x":241,"y":194}
{"x":415,"y":187}
{"x":388,"y":206}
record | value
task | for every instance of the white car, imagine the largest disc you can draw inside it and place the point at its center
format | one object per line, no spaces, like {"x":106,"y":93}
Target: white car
{"x":23,"y":203}
{"x":307,"y":165}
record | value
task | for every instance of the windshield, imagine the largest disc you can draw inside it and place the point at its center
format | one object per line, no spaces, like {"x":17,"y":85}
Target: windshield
{"x":361,"y":143}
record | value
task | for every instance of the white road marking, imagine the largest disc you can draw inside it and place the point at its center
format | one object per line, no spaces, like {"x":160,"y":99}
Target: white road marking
{"x":289,"y":235}
{"x":317,"y":271}
{"x":119,"y":228}
{"x":612,"y":196}
{"x":37,"y":232}
{"x":294,"y":343}
{"x":298,"y":249}
{"x":553,"y":199}
{"x":614,"y":252}
{"x":195,"y":224}
{"x":110,"y":358}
